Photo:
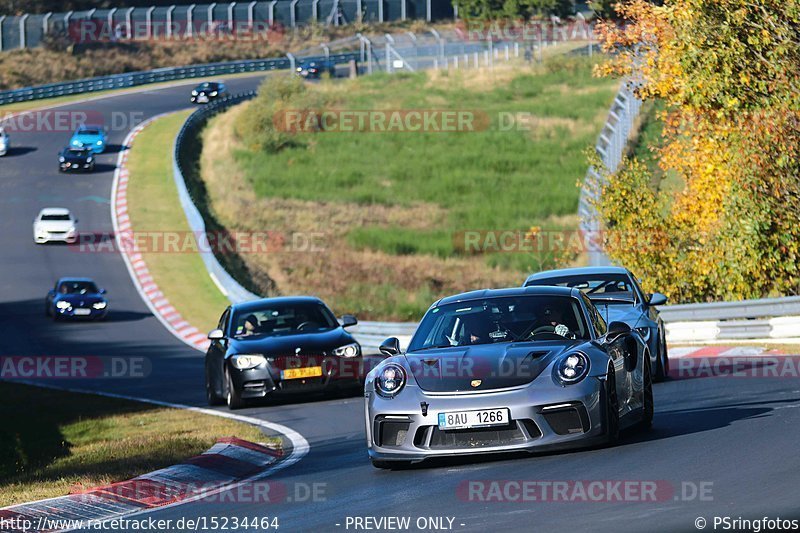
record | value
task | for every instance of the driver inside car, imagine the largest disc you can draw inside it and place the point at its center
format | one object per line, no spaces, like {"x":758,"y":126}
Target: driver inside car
{"x":554,"y":323}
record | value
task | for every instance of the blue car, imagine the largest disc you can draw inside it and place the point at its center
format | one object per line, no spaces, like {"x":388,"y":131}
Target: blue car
{"x":89,"y":136}
{"x":76,"y":298}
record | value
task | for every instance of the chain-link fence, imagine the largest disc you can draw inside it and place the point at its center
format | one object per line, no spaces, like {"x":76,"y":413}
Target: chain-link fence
{"x":220,"y":20}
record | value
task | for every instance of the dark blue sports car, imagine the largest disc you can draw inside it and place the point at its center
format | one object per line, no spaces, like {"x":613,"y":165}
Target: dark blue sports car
{"x":76,"y":298}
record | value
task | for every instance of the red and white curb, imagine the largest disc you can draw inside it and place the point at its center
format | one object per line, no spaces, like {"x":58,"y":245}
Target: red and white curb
{"x":678,"y":352}
{"x":229,"y":461}
{"x":142,"y":279}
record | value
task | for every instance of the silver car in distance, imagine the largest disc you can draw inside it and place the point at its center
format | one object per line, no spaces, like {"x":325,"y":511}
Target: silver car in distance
{"x":521,"y":369}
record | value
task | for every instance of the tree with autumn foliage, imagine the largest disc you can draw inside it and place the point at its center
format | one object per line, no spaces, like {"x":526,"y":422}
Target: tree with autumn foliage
{"x":729,"y":73}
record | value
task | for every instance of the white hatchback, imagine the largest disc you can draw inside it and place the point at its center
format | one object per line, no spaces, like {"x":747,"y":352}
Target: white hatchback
{"x":55,"y":224}
{"x":4,"y":142}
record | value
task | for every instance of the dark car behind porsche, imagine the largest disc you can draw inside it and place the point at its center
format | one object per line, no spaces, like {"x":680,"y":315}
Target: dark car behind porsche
{"x":276,"y":346}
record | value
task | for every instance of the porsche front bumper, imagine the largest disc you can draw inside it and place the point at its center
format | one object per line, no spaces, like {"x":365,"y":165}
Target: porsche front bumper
{"x":543,"y":417}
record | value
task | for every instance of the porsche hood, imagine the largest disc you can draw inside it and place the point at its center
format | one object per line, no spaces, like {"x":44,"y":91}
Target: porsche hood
{"x":496,"y":366}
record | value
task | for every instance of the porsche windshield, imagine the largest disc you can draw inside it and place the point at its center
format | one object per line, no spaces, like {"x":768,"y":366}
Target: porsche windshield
{"x":502,"y":319}
{"x":284,"y":319}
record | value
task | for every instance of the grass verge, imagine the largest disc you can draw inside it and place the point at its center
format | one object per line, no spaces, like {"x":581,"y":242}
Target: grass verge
{"x":155,"y":209}
{"x":390,"y":209}
{"x":53,"y":442}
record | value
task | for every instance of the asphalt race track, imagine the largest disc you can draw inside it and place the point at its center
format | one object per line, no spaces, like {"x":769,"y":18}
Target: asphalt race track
{"x":719,"y":446}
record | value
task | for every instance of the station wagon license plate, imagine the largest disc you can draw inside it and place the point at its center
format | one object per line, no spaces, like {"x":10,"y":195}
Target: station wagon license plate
{"x":474,"y":419}
{"x":80,"y":311}
{"x":299,"y":373}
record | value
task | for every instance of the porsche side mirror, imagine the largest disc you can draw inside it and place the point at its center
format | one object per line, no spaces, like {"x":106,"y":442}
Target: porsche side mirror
{"x":657,"y":299}
{"x":349,"y":320}
{"x":103,"y":291}
{"x":616,"y":329}
{"x":216,"y":335}
{"x":390,"y":347}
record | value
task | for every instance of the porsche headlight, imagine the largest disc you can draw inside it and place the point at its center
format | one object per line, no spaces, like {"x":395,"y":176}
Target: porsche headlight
{"x":77,"y":143}
{"x":348,"y":350}
{"x":99,"y":143}
{"x":390,"y":380}
{"x":61,"y":160}
{"x":63,"y":305}
{"x":247,"y":361}
{"x":213,"y":93}
{"x":89,"y":159}
{"x":99,"y":305}
{"x":573,"y":367}
{"x":194,"y":93}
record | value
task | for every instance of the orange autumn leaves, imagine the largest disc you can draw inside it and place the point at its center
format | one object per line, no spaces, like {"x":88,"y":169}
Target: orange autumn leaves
{"x":728,"y":72}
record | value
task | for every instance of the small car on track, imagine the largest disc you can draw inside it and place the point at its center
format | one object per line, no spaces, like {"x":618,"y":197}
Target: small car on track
{"x":207,"y":91}
{"x":89,"y":136}
{"x":522,"y":369}
{"x":276,"y":346}
{"x":617,"y":294}
{"x":76,"y":298}
{"x":75,"y":159}
{"x":55,"y":224}
{"x":314,"y":69}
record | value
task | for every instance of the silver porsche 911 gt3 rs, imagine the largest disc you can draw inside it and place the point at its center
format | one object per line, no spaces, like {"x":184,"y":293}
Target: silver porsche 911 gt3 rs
{"x":531,"y":368}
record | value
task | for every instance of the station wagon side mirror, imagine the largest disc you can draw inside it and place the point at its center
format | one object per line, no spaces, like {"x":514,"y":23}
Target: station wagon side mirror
{"x":102,"y":291}
{"x":657,"y":299}
{"x":349,"y":320}
{"x":390,"y":347}
{"x":216,"y":335}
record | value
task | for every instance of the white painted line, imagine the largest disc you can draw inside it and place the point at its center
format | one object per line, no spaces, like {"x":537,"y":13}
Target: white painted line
{"x":300,"y":446}
{"x":218,"y":284}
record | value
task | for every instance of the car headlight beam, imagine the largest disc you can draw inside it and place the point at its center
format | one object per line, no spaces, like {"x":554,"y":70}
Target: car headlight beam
{"x":247,"y":361}
{"x":390,"y":380}
{"x":572,"y":368}
{"x":348,"y":350}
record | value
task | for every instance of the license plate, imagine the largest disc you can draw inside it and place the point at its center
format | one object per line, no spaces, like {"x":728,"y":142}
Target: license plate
{"x":474,"y":419}
{"x":299,"y":373}
{"x":202,"y":98}
{"x":82,"y":311}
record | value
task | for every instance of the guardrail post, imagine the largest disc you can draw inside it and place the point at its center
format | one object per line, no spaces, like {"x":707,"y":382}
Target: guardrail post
{"x":45,"y":20}
{"x":380,"y":10}
{"x":2,"y":19}
{"x":366,"y":50}
{"x":292,"y":62}
{"x":455,"y":11}
{"x":148,"y":20}
{"x":22,"y":33}
{"x":293,"y":13}
{"x":170,"y":9}
{"x":251,"y":18}
{"x":67,"y":16}
{"x":327,"y":50}
{"x":190,"y":20}
{"x":271,"y":13}
{"x":428,"y":10}
{"x":231,"y":7}
{"x":403,"y":10}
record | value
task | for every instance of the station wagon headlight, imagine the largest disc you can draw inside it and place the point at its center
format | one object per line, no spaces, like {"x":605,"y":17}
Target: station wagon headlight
{"x":390,"y":380}
{"x":348,"y":350}
{"x":99,"y":305}
{"x":61,"y":160}
{"x":572,"y":368}
{"x":89,"y":159}
{"x":194,"y":93}
{"x":63,"y":305}
{"x":213,"y":93}
{"x":247,"y":361}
